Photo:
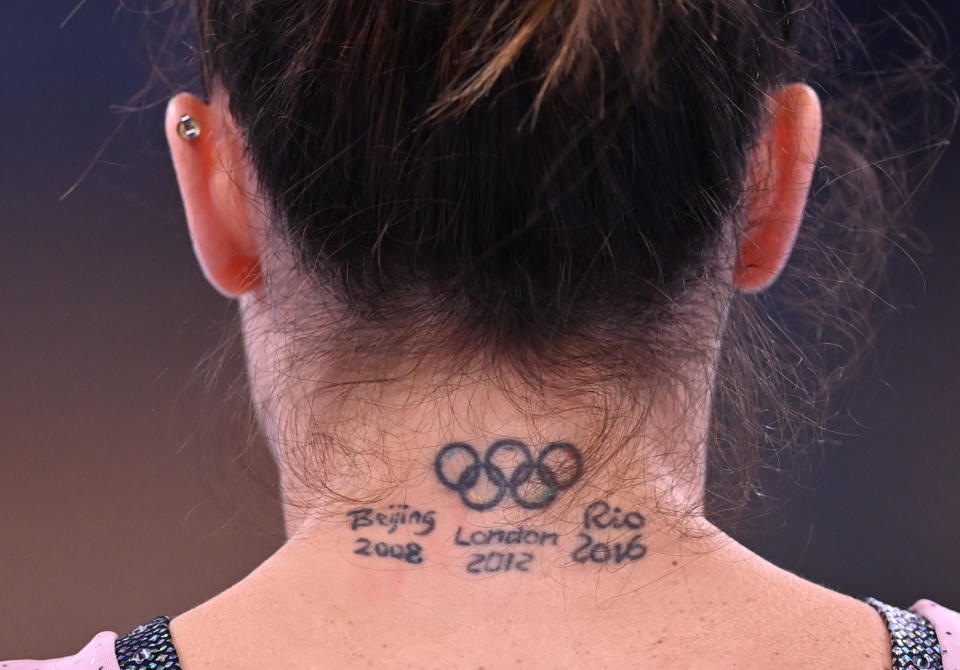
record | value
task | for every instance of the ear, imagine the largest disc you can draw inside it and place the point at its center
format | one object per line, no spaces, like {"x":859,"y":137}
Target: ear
{"x":781,"y":170}
{"x":216,"y":188}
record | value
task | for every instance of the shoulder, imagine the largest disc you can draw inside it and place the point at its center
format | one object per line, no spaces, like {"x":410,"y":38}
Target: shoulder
{"x":99,"y":654}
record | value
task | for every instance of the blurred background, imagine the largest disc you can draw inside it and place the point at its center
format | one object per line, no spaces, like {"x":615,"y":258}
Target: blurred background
{"x":128,"y":484}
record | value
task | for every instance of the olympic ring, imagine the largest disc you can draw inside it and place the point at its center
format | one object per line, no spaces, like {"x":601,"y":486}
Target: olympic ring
{"x":468,"y":482}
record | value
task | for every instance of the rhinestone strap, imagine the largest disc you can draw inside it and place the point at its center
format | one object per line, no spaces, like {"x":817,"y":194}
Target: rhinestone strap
{"x":148,"y":647}
{"x":914,"y":639}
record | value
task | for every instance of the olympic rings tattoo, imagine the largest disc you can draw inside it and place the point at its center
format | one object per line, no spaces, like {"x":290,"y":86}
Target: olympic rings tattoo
{"x":521,"y":482}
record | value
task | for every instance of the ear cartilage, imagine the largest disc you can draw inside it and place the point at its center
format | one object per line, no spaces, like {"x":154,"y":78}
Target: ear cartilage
{"x":188,"y":129}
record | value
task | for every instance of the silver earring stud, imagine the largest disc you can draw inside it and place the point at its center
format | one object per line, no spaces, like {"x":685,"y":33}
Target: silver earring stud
{"x":188,"y":129}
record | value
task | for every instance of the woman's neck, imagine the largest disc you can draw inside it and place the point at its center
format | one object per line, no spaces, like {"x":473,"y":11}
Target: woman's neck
{"x":465,"y":528}
{"x":415,"y":463}
{"x":472,"y":487}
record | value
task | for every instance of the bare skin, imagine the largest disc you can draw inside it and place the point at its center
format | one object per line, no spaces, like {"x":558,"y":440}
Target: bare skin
{"x":703,"y":603}
{"x":588,"y":579}
{"x":478,"y":553}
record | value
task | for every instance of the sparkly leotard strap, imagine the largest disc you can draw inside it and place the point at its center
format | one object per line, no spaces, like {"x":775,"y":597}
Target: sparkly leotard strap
{"x":148,"y":647}
{"x":914,"y":639}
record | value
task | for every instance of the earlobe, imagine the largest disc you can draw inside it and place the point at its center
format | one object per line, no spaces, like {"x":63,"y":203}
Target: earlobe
{"x":782,"y":167}
{"x":208,"y":160}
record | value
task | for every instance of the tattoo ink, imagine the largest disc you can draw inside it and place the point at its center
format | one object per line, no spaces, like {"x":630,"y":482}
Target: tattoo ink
{"x":607,"y":552}
{"x":394,"y":517}
{"x":508,"y":467}
{"x":600,"y":516}
{"x":411,"y":552}
{"x":497,"y":561}
{"x":391,"y":519}
{"x":519,"y":535}
{"x":503,"y":561}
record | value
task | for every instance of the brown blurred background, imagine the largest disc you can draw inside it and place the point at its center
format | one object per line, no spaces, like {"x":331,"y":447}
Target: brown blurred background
{"x":122,"y":495}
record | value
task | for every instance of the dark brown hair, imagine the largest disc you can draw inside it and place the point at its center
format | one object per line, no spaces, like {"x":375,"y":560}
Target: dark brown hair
{"x":542,"y":182}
